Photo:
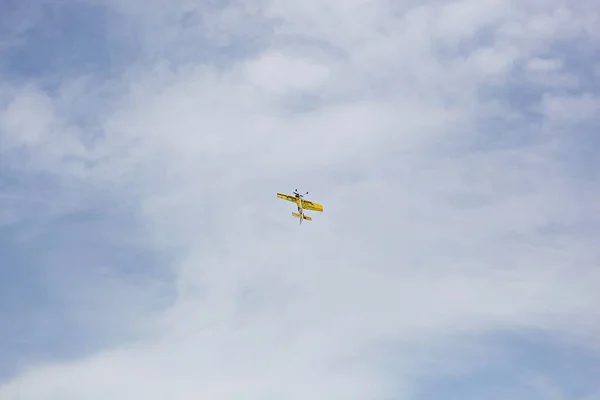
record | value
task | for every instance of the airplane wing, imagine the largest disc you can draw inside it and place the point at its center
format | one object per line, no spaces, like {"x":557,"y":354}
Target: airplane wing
{"x":286,"y":197}
{"x":309,"y":205}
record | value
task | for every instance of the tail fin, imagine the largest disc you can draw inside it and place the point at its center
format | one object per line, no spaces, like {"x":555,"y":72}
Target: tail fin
{"x":297,"y":215}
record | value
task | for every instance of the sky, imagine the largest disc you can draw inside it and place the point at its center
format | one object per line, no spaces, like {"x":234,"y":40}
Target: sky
{"x":144,"y":254}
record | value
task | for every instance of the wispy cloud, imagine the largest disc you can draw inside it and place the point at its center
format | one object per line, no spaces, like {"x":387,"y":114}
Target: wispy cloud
{"x":444,"y":140}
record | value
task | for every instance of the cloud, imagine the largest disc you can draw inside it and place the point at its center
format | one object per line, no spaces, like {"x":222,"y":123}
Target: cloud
{"x":571,"y":108}
{"x":541,"y":64}
{"x":450,"y":208}
{"x":278,"y":73}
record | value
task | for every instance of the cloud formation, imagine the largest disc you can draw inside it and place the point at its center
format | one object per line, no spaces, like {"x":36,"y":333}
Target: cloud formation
{"x":448,"y":141}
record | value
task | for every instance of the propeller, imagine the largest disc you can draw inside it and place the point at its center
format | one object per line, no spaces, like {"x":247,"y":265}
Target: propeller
{"x":296,"y":192}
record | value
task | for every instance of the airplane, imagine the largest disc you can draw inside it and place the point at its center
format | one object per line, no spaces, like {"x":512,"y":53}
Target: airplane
{"x":302,"y":205}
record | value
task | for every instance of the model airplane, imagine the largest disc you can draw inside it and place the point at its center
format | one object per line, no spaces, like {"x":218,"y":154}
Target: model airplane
{"x":302,"y":205}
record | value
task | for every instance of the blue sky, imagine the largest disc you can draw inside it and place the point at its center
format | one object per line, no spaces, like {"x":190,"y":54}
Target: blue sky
{"x":453,"y":145}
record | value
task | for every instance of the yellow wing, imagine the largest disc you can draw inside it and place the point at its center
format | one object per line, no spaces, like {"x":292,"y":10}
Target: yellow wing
{"x":309,"y":205}
{"x":287,"y":197}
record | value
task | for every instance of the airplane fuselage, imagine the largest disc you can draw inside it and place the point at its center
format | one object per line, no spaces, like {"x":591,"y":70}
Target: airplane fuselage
{"x":300,"y":209}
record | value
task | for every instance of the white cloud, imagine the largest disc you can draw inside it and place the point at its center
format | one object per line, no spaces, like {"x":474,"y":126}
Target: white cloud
{"x":278,"y":73}
{"x":421,"y":240}
{"x":29,"y":122}
{"x":544,"y":64}
{"x":17,"y":122}
{"x":560,"y":108}
{"x":462,"y":20}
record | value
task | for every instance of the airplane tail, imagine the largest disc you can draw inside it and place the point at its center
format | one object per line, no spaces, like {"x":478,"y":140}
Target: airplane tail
{"x":297,"y":215}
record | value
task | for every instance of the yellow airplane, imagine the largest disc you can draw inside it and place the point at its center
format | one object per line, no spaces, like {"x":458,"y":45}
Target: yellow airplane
{"x":302,"y":205}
